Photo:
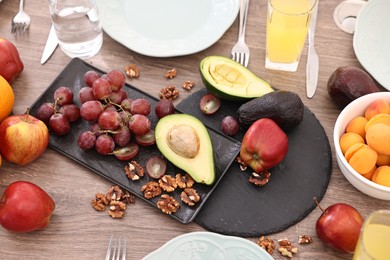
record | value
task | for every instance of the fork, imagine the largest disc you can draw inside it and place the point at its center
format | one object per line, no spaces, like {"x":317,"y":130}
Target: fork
{"x":21,"y":21}
{"x":115,"y":247}
{"x":240,"y":51}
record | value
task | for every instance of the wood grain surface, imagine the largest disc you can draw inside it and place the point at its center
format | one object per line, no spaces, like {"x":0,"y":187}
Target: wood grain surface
{"x":77,"y":231}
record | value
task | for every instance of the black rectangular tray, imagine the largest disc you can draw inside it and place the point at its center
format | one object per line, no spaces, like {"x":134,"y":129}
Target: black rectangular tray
{"x":113,"y":169}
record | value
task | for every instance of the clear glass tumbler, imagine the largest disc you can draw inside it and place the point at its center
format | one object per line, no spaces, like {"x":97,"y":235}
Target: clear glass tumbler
{"x":374,"y":240}
{"x":287,"y":26}
{"x":77,"y":26}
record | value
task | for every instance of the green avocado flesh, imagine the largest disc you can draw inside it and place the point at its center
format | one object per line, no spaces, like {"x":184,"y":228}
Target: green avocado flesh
{"x":230,"y":80}
{"x":185,"y":142}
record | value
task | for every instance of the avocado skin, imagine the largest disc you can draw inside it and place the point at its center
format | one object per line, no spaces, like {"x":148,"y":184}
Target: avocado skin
{"x":284,"y":107}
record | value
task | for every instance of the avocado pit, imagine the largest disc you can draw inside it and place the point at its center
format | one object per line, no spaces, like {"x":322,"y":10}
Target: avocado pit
{"x":184,"y":140}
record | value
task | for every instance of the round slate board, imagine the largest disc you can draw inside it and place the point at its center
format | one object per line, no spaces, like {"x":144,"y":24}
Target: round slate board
{"x":240,"y":208}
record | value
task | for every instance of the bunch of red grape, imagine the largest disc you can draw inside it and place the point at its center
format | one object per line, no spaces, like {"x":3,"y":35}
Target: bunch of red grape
{"x":114,"y":117}
{"x":59,"y":114}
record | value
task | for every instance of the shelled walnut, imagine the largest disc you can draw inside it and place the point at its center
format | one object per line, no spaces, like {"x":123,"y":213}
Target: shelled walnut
{"x":188,"y":84}
{"x":189,"y":196}
{"x":114,"y":193}
{"x":151,"y":189}
{"x":167,"y":183}
{"x":184,"y":181}
{"x":267,"y":244}
{"x":132,"y":71}
{"x":170,"y":74}
{"x":286,"y":248}
{"x":134,"y":171}
{"x":117,"y":209}
{"x":168,"y":204}
{"x":260,"y":179}
{"x":169,"y":92}
{"x":305,"y":239}
{"x":100,"y":202}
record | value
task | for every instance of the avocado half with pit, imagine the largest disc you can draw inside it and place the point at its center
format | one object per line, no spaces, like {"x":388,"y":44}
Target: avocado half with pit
{"x":230,"y":80}
{"x":184,"y":141}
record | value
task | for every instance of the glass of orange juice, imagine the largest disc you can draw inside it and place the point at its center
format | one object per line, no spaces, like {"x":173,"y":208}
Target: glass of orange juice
{"x":287,"y":25}
{"x":374,"y":240}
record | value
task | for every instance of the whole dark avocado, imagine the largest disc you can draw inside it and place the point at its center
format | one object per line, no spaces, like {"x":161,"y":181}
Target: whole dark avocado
{"x":284,"y":107}
{"x":348,"y":83}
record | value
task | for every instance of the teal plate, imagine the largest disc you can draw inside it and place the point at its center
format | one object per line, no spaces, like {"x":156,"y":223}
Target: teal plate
{"x":208,"y":245}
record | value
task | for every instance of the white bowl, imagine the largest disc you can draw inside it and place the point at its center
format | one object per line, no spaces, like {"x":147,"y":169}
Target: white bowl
{"x":352,"y":110}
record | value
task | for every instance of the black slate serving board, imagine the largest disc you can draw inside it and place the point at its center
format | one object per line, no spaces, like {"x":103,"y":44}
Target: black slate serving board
{"x":111,"y":168}
{"x":239,"y":208}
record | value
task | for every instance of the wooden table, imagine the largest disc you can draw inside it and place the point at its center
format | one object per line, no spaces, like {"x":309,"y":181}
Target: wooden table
{"x":77,"y":231}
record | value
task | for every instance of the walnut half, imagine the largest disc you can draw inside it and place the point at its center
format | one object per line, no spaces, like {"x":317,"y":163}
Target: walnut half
{"x":151,"y":189}
{"x":117,"y":209}
{"x":189,"y":196}
{"x":168,"y":204}
{"x":267,"y":244}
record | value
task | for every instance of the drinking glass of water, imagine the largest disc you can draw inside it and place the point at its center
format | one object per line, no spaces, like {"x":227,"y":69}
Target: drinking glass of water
{"x":77,"y":26}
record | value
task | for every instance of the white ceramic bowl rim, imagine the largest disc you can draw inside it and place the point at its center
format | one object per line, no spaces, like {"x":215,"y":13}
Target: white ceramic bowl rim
{"x":336,"y":136}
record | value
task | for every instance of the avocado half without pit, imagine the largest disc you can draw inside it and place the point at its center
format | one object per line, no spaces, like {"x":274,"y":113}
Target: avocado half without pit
{"x":230,"y":80}
{"x":184,"y":141}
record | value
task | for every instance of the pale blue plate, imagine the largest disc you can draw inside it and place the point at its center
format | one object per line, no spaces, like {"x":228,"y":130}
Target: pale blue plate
{"x":208,"y":245}
{"x":167,"y":28}
{"x":371,"y":40}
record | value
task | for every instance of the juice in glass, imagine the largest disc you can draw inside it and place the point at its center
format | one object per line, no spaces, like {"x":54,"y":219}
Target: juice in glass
{"x":374,"y":240}
{"x":287,"y":25}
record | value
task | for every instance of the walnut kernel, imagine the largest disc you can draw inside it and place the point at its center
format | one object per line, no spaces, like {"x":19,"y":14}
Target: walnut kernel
{"x":169,"y":92}
{"x":168,"y":204}
{"x":134,"y":171}
{"x":151,"y":189}
{"x":117,"y":209}
{"x":167,"y":183}
{"x":184,"y":181}
{"x":170,"y":74}
{"x":267,"y":244}
{"x":114,"y":193}
{"x":188,"y":84}
{"x":260,"y":179}
{"x":189,"y":196}
{"x":305,"y":239}
{"x":132,"y":71}
{"x":100,"y":202}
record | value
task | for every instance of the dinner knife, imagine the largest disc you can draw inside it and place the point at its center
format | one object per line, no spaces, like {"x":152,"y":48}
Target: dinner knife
{"x":312,"y":65}
{"x":50,"y":46}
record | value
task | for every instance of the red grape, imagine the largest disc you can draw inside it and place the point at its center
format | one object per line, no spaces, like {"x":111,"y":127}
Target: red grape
{"x":109,"y":120}
{"x":71,"y":112}
{"x":91,"y":110}
{"x":63,"y":95}
{"x":164,"y":107}
{"x":86,"y":94}
{"x":101,"y":89}
{"x":139,"y":124}
{"x":89,"y":77}
{"x":117,"y":79}
{"x":147,"y":139}
{"x":86,"y":140}
{"x":104,"y":144}
{"x":59,"y":124}
{"x":229,"y":125}
{"x":45,"y":111}
{"x":125,"y":117}
{"x":126,"y":104}
{"x":140,"y":106}
{"x":126,"y":153}
{"x":118,"y":96}
{"x":123,"y":136}
{"x":156,"y":167}
{"x":95,"y":128}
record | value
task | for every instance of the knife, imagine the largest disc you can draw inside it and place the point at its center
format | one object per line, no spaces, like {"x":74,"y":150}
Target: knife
{"x":50,"y":46}
{"x":312,"y":64}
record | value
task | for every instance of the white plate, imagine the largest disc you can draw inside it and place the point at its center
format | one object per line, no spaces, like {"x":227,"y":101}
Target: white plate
{"x":208,"y":245}
{"x":167,"y":28}
{"x":371,"y":40}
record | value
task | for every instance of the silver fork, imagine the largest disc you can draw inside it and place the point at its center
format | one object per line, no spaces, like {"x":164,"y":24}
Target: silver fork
{"x":21,"y":21}
{"x":116,"y":248}
{"x":240,"y":51}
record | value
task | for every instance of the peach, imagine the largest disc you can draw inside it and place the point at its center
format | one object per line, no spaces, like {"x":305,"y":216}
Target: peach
{"x":382,"y":176}
{"x":383,"y":160}
{"x":357,"y":125}
{"x":378,"y":118}
{"x":361,"y":157}
{"x":378,"y":138}
{"x":377,"y":107}
{"x":349,"y":139}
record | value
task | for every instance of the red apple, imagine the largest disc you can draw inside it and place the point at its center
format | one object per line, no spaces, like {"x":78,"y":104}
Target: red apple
{"x":25,"y":207}
{"x":23,"y":138}
{"x":264,"y":145}
{"x":339,"y":227}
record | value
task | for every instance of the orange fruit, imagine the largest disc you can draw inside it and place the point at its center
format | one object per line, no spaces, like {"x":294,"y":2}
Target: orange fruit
{"x":7,"y":99}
